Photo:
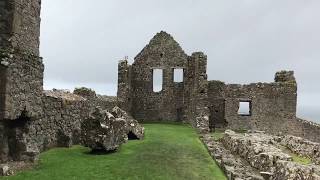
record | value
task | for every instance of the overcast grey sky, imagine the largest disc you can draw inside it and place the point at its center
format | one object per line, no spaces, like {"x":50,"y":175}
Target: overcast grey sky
{"x":245,"y":40}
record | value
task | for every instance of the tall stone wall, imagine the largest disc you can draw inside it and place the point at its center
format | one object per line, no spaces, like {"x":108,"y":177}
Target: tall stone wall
{"x":20,"y":25}
{"x":21,"y":67}
{"x":216,"y":99}
{"x":196,"y":89}
{"x":163,"y":52}
{"x":124,"y":86}
{"x":33,"y":120}
{"x":23,"y":81}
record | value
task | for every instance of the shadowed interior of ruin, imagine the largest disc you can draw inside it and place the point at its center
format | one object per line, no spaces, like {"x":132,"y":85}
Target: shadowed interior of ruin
{"x":132,"y":136}
{"x":14,"y":131}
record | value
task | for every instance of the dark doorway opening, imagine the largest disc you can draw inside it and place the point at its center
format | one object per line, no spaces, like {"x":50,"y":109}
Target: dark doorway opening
{"x":15,"y":130}
{"x":217,"y":115}
{"x":132,"y":136}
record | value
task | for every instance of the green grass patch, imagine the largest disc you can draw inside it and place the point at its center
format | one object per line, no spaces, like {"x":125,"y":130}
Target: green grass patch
{"x":168,"y":152}
{"x":300,"y":159}
{"x":217,"y":134}
{"x":295,"y":157}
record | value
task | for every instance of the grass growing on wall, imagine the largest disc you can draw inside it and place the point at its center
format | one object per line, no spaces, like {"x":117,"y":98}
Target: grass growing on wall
{"x":217,"y":134}
{"x":168,"y":152}
{"x":295,"y":157}
{"x":300,"y":159}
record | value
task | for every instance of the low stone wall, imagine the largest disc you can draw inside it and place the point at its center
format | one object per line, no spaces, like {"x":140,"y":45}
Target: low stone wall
{"x":58,"y":126}
{"x":305,"y":129}
{"x":302,"y":147}
{"x":264,"y":153}
{"x":233,"y":166}
{"x":105,"y":102}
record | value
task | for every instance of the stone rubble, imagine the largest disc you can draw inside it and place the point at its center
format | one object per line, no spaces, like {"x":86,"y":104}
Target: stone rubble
{"x":242,"y":156}
{"x":302,"y":147}
{"x":5,"y":170}
{"x":107,"y":131}
{"x":132,"y":126}
{"x":233,"y":166}
{"x":102,"y":131}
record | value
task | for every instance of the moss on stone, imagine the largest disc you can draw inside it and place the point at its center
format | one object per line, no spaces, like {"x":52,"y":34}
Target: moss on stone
{"x":301,"y":159}
{"x":217,"y":134}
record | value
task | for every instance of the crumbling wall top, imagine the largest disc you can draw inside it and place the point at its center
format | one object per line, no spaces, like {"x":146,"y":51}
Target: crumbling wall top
{"x":63,"y":94}
{"x":85,"y":92}
{"x":285,"y":76}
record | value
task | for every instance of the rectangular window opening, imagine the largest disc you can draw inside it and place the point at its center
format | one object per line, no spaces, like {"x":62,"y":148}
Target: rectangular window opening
{"x":245,"y":108}
{"x":157,"y":80}
{"x":178,"y":75}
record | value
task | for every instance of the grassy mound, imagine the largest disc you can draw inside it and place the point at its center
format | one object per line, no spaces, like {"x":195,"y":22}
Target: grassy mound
{"x":168,"y":152}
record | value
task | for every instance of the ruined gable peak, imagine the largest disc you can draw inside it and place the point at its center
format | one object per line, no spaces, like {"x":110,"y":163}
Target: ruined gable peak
{"x":162,"y":44}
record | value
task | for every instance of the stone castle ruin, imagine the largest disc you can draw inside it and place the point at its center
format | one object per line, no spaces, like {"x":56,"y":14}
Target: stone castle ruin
{"x":33,"y":120}
{"x":206,"y":104}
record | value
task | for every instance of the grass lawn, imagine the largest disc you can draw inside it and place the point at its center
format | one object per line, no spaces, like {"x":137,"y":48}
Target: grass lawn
{"x":168,"y":152}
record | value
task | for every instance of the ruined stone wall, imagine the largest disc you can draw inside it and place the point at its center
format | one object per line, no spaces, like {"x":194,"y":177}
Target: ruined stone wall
{"x":20,"y":25}
{"x":303,"y":128}
{"x":163,"y":52}
{"x":94,"y":100}
{"x":59,"y":126}
{"x":273,"y":105}
{"x":196,"y":89}
{"x":216,"y":98}
{"x":124,"y":86}
{"x":23,"y":81}
{"x":21,"y":68}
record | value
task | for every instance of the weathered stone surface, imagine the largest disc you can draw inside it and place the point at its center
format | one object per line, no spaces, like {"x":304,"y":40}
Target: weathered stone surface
{"x":5,"y":170}
{"x":302,"y":147}
{"x":256,"y":148}
{"x":93,"y":99}
{"x":22,"y":81}
{"x":266,"y":154}
{"x":292,"y":171}
{"x":233,"y":166}
{"x":20,"y":25}
{"x":59,"y":126}
{"x":285,"y":76}
{"x":133,"y":129}
{"x":102,"y":131}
